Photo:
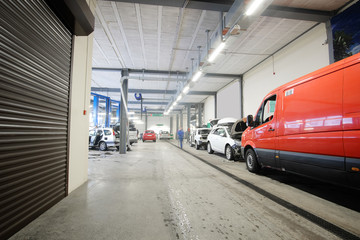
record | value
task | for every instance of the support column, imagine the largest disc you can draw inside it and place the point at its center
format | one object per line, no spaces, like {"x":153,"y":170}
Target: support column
{"x":146,"y":121}
{"x":200,"y":114}
{"x":241,"y":98}
{"x":215,"y":103}
{"x":123,"y":115}
{"x":171,"y":125}
{"x":181,"y":120}
{"x":107,"y":112}
{"x":188,"y":108}
{"x":177,"y":125}
{"x":95,"y":110}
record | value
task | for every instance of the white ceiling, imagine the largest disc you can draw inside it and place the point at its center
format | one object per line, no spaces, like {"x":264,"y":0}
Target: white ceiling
{"x":163,"y":38}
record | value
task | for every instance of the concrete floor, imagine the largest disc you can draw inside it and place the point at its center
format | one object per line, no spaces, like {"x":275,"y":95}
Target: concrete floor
{"x":158,"y":191}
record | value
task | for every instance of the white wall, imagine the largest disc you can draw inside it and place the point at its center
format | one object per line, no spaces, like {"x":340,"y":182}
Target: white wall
{"x":209,"y":109}
{"x":153,"y":121}
{"x":303,"y":56}
{"x":228,"y":101}
{"x":80,"y":101}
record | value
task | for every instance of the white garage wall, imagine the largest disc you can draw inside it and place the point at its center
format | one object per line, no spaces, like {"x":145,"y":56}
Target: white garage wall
{"x":153,"y":121}
{"x":228,"y":101}
{"x":80,"y":101}
{"x":209,"y":109}
{"x":303,"y":56}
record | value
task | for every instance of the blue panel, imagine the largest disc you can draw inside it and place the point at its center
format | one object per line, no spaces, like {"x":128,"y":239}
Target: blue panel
{"x":95,"y":110}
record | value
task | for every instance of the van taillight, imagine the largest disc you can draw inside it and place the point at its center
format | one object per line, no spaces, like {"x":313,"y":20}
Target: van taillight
{"x":113,"y":132}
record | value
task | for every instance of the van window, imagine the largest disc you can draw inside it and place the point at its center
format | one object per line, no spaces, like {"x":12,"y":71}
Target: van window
{"x":107,"y":132}
{"x":266,"y":112}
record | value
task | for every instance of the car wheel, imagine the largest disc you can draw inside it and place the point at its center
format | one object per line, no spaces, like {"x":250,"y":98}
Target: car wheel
{"x":229,"y":153}
{"x":154,"y":140}
{"x":209,"y":149}
{"x":117,"y":147}
{"x":197,"y":145}
{"x":103,"y":146}
{"x":143,"y":140}
{"x":251,"y":161}
{"x":131,"y":144}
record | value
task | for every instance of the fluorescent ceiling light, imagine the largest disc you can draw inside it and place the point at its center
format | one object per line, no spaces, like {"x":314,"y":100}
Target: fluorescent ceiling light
{"x":196,"y":76}
{"x":133,"y":118}
{"x":131,"y":112}
{"x":216,"y":52}
{"x":253,"y":7}
{"x":178,"y":98}
{"x":139,"y":122}
{"x":186,"y":89}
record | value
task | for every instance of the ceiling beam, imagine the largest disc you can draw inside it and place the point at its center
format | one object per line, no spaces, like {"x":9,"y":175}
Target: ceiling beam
{"x":149,"y":71}
{"x":225,"y":5}
{"x":150,"y":91}
{"x":132,"y":90}
{"x":212,"y":5}
{"x":144,"y":71}
{"x":297,"y":13}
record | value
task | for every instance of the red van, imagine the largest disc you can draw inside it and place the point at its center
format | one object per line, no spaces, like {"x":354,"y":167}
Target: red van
{"x":310,"y":126}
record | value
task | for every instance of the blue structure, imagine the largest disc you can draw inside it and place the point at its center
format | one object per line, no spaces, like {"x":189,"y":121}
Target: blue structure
{"x":108,"y":109}
{"x":95,"y":110}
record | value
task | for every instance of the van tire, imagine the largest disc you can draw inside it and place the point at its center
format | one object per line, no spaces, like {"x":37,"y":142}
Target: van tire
{"x":251,"y":161}
{"x":209,"y":149}
{"x":102,"y":146}
{"x":229,"y":153}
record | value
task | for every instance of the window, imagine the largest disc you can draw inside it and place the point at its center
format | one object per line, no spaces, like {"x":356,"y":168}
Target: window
{"x":107,"y":132}
{"x":266,"y":112}
{"x":222,"y":132}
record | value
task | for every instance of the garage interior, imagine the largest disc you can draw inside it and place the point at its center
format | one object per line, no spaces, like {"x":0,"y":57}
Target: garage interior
{"x":71,"y":66}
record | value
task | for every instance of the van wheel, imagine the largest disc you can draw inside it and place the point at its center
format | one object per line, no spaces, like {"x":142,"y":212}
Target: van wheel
{"x":103,"y":146}
{"x":251,"y":161}
{"x":197,"y":145}
{"x":209,"y":149}
{"x":229,"y":153}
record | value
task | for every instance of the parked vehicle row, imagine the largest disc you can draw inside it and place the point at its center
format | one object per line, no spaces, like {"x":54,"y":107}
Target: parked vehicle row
{"x":224,"y":137}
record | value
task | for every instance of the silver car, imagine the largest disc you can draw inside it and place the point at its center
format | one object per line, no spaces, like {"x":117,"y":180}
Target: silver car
{"x":198,"y":138}
{"x":103,"y":138}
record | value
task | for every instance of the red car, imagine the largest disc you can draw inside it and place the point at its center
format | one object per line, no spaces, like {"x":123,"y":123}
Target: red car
{"x":149,"y":135}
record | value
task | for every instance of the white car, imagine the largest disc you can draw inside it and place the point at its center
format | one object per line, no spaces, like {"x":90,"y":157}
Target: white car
{"x":103,"y":138}
{"x":198,"y":137}
{"x":133,"y":135}
{"x":164,"y":135}
{"x":219,"y":140}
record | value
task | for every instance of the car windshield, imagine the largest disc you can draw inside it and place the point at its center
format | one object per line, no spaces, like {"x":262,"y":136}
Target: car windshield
{"x":165,"y":132}
{"x":92,"y":133}
{"x":204,"y":131}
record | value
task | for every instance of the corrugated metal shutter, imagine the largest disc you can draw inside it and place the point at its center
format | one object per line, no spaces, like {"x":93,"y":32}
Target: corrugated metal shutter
{"x":35,"y":50}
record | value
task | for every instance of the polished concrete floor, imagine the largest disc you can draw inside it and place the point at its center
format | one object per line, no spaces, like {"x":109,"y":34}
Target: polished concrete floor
{"x":157,"y":191}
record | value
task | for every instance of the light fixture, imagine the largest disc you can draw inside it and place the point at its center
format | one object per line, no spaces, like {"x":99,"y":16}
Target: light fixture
{"x":216,"y":52}
{"x":197,"y":76}
{"x":186,"y":89}
{"x":133,"y":118}
{"x":130,"y":113}
{"x":253,"y":7}
{"x":178,"y":98}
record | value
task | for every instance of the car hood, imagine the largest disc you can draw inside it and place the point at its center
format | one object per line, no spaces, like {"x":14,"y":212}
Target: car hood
{"x":237,"y":129}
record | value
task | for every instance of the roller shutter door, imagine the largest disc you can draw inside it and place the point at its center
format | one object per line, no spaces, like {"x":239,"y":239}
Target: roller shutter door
{"x":34,"y":106}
